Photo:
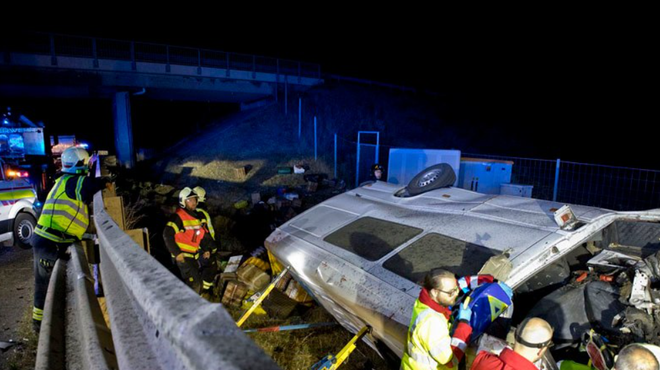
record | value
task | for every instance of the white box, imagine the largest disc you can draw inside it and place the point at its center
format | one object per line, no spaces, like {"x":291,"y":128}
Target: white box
{"x":404,"y":164}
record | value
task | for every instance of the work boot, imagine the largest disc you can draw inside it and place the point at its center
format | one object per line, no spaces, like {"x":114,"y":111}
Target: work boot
{"x":207,"y":294}
{"x":36,"y":326}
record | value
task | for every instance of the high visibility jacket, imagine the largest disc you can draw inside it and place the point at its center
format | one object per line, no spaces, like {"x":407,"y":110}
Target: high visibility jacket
{"x":190,"y":237}
{"x":207,"y":222}
{"x":430,"y":345}
{"x":63,"y":219}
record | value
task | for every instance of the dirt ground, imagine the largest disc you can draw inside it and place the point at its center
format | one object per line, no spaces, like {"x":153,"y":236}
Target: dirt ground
{"x":16,"y":289}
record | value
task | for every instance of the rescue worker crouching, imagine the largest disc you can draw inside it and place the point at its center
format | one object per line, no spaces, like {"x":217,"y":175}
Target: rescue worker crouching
{"x":63,"y":220}
{"x":430,"y":344}
{"x":191,"y":245}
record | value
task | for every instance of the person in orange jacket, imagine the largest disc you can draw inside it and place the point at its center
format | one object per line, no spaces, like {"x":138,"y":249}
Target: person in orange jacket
{"x":533,"y":338}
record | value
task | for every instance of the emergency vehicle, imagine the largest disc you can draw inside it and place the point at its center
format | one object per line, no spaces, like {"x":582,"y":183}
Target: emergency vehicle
{"x":18,"y":207}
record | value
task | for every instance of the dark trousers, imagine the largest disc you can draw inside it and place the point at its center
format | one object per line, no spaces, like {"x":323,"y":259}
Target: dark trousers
{"x":198,"y":274}
{"x":46,"y":253}
{"x":190,"y":273}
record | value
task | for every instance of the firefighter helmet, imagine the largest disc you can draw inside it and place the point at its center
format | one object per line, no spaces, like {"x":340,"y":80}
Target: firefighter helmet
{"x":201,"y":193}
{"x":184,"y":194}
{"x":74,"y":160}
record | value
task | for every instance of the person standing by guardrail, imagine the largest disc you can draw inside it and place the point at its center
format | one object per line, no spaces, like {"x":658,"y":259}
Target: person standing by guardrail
{"x":63,"y":220}
{"x":191,"y":245}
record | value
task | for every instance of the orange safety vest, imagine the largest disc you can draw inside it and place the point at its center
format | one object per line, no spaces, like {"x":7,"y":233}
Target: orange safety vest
{"x":192,"y":234}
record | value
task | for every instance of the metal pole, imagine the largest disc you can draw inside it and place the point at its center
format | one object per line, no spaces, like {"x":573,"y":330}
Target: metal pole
{"x":199,"y":62}
{"x":286,"y":95}
{"x":95,"y":53}
{"x":315,"y":140}
{"x":277,"y":82}
{"x":554,"y":193}
{"x":289,"y":327}
{"x":377,"y":146}
{"x":299,"y":117}
{"x":133,"y":64}
{"x":357,"y":163}
{"x":335,"y":156}
{"x":53,"y":58}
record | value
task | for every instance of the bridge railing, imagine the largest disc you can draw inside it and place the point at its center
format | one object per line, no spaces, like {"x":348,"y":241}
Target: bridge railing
{"x":102,"y":48}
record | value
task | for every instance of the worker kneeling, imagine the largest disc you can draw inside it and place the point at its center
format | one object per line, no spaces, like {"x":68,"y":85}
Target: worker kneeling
{"x":191,"y":245}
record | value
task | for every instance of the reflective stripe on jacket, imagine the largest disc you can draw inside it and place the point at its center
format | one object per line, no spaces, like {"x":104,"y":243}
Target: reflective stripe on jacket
{"x":189,"y":238}
{"x":430,"y":345}
{"x":207,"y":222}
{"x":63,"y":214}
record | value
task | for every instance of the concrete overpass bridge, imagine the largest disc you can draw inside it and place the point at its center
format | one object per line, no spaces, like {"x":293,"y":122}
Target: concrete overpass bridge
{"x":63,"y":66}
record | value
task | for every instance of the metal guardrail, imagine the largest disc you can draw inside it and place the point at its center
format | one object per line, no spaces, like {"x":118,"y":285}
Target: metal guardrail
{"x":100,"y":48}
{"x":157,"y":322}
{"x":74,"y":333}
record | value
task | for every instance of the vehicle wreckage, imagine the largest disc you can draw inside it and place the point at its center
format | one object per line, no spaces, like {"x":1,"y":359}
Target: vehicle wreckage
{"x":362,"y":254}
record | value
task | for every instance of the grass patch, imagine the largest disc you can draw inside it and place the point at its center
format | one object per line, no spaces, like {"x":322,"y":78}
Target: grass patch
{"x":300,"y":349}
{"x":24,"y":354}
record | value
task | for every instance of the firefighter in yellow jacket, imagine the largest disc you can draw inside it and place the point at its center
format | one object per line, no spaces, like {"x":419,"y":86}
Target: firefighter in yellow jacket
{"x":430,"y":344}
{"x":63,"y":220}
{"x":191,"y":245}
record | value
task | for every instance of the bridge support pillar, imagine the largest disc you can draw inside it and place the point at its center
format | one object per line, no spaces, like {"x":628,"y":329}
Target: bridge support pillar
{"x":121,"y":111}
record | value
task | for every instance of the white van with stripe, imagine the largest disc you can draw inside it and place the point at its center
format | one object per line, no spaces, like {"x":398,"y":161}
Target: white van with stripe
{"x":18,"y":217}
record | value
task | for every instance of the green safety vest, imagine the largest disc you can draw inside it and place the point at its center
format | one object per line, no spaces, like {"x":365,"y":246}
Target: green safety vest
{"x":429,"y":340}
{"x":63,"y":219}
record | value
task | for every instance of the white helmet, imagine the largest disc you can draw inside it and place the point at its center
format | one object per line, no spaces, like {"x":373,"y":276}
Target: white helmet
{"x":201,"y":193}
{"x":74,"y":160}
{"x":184,"y":194}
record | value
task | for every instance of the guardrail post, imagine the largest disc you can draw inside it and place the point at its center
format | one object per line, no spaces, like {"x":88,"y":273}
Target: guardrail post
{"x":95,"y":53}
{"x":53,"y":58}
{"x":554,"y":193}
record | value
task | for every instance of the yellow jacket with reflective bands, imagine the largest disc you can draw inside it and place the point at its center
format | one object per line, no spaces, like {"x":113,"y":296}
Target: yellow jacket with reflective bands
{"x":63,"y":219}
{"x":430,"y":346}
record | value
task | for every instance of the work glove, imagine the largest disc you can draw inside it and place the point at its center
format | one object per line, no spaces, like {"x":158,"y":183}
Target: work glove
{"x":464,"y":312}
{"x":507,"y":289}
{"x":462,"y":283}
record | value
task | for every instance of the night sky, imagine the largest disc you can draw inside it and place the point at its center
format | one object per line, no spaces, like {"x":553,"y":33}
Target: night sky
{"x":576,"y":87}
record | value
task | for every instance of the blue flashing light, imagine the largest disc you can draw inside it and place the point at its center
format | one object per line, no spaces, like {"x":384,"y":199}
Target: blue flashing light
{"x":5,"y":121}
{"x":83,"y":145}
{"x":37,"y":204}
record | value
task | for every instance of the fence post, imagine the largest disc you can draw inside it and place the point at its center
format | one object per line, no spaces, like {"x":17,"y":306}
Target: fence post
{"x":554,"y":193}
{"x":335,"y":155}
{"x":315,"y":140}
{"x":95,"y":53}
{"x":53,"y":58}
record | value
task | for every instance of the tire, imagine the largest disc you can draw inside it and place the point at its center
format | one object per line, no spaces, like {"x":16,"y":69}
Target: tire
{"x":435,"y":177}
{"x":24,"y":225}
